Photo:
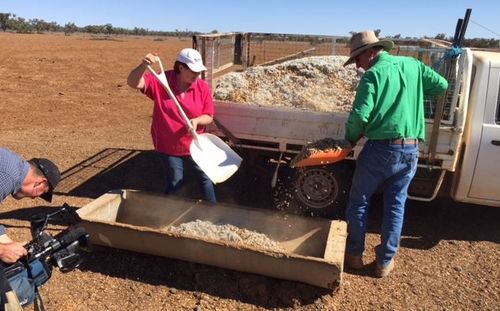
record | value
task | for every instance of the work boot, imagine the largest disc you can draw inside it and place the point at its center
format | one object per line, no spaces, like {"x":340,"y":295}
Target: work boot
{"x":382,"y":272}
{"x":353,"y":262}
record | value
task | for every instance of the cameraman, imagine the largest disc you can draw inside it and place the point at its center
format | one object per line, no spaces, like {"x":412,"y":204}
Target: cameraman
{"x":10,"y":252}
{"x":22,"y":179}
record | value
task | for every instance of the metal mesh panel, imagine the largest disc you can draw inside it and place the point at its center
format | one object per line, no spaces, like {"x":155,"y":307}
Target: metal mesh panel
{"x":250,"y":49}
{"x":274,"y":48}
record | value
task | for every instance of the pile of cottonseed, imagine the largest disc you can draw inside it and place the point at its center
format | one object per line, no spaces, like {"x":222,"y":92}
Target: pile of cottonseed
{"x":318,"y":83}
{"x":226,"y":233}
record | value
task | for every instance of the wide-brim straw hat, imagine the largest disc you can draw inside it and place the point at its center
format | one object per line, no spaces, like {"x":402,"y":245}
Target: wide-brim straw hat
{"x":364,"y":40}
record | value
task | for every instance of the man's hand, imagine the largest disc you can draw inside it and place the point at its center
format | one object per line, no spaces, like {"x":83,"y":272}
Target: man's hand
{"x":12,"y":252}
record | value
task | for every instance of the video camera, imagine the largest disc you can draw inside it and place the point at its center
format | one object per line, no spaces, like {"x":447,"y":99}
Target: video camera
{"x":63,"y":250}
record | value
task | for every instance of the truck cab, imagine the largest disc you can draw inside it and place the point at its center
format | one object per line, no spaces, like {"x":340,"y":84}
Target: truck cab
{"x":477,"y":178}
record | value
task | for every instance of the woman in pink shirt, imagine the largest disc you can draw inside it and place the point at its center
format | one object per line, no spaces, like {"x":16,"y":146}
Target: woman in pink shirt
{"x":170,"y":133}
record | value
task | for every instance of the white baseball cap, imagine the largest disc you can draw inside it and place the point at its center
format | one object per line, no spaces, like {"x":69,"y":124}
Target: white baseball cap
{"x":192,"y":59}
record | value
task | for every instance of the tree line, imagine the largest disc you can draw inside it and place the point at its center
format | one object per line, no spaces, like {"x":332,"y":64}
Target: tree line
{"x":482,"y":43}
{"x":475,"y":42}
{"x":13,"y":23}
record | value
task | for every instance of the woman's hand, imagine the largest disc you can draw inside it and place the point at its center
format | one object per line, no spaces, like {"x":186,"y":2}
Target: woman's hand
{"x":150,"y":59}
{"x":204,"y":119}
{"x":135,"y":79}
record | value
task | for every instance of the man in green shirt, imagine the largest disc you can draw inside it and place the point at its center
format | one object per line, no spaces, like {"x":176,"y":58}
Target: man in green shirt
{"x":388,"y":110}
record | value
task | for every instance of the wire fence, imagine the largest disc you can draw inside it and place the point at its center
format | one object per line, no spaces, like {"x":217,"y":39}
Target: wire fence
{"x":227,"y":52}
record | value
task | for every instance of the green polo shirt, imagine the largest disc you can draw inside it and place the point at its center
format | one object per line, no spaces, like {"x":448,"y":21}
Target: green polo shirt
{"x":389,"y":101}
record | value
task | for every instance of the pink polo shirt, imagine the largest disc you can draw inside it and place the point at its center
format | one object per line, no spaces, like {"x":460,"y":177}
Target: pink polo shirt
{"x":168,"y":129}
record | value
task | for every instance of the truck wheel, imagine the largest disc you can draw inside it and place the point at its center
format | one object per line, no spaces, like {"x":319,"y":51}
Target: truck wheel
{"x":316,"y":191}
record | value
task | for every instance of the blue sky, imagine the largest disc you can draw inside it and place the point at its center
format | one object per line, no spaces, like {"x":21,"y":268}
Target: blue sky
{"x":325,"y":17}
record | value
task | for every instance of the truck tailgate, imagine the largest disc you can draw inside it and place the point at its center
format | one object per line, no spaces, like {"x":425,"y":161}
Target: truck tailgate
{"x":279,"y":124}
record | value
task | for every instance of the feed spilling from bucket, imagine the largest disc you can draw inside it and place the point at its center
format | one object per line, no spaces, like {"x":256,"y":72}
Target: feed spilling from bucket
{"x":322,"y":152}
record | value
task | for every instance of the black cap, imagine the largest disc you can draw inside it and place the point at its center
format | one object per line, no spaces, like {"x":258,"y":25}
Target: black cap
{"x":51,"y":172}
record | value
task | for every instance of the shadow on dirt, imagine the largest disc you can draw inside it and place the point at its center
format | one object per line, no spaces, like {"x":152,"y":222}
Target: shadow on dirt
{"x":427,"y":223}
{"x":114,"y":168}
{"x":180,"y":275}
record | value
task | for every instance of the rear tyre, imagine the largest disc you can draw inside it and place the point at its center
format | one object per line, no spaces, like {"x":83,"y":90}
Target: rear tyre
{"x":315,"y":191}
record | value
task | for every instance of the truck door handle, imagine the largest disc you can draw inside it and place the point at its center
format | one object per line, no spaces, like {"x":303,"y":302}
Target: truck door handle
{"x":495,"y":142}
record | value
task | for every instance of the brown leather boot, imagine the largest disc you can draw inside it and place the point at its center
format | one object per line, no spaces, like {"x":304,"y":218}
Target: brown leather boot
{"x":353,"y":262}
{"x":382,"y":272}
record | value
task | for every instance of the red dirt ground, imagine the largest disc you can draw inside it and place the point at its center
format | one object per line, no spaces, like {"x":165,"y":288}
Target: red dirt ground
{"x":66,"y":98}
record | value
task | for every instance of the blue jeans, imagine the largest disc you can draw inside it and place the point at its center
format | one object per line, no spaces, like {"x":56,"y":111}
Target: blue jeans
{"x":389,"y":167}
{"x":174,"y":166}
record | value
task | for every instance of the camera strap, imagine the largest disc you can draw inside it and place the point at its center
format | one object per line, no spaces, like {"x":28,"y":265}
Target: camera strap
{"x":4,"y":286}
{"x":39,"y":306}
